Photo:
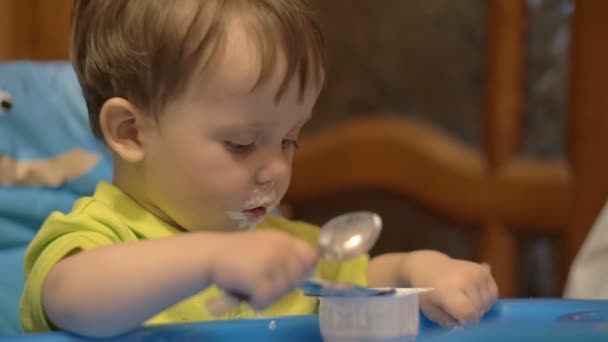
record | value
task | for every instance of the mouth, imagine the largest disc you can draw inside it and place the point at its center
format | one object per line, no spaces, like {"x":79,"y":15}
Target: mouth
{"x":255,"y":214}
{"x":249,"y":218}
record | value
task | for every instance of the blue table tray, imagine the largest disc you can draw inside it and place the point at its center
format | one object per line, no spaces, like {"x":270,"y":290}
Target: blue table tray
{"x":509,"y":320}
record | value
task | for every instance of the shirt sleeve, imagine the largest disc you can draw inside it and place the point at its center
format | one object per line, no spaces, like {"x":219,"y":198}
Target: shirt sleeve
{"x":61,"y":235}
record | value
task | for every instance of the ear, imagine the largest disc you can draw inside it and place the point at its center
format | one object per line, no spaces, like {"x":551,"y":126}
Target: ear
{"x":122,"y":124}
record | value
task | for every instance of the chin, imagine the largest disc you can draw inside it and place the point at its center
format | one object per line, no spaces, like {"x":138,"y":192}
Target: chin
{"x":241,"y":222}
{"x":219,"y":225}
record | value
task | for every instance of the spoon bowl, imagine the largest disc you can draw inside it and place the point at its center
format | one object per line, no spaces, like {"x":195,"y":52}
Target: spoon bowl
{"x":349,"y":235}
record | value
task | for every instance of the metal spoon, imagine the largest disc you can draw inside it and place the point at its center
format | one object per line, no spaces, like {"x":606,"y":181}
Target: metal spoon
{"x":343,"y":237}
{"x":349,"y":235}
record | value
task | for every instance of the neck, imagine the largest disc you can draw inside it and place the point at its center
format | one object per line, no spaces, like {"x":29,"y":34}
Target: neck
{"x":127,"y":178}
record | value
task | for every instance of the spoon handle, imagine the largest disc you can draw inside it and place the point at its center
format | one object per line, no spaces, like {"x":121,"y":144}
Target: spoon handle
{"x":310,"y":286}
{"x":220,"y":306}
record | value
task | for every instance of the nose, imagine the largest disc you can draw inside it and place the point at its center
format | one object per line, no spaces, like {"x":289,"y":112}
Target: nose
{"x":274,"y":167}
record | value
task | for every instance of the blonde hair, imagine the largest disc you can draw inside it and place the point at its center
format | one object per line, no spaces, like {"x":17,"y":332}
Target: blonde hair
{"x":147,"y":50}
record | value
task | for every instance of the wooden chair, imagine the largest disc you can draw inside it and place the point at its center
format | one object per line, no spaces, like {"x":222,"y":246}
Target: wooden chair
{"x":34,"y":29}
{"x":498,"y":190}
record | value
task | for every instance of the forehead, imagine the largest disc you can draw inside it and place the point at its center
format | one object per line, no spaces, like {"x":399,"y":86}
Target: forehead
{"x":244,"y":61}
{"x":237,"y":65}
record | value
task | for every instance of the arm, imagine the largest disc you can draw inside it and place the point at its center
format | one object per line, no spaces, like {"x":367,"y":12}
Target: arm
{"x":110,"y":290}
{"x":464,"y":290}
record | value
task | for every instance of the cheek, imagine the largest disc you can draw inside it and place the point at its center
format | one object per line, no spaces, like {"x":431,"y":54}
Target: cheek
{"x":200,"y":169}
{"x":219,"y":175}
{"x":226,"y":178}
{"x":284,"y":183}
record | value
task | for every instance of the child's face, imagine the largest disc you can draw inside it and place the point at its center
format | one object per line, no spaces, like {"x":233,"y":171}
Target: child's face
{"x":220,"y":157}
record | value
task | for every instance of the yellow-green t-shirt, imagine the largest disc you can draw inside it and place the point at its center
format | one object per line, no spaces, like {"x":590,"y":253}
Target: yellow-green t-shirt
{"x":110,"y":216}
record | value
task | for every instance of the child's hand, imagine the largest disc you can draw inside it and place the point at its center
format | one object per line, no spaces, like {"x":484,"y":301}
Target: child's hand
{"x":262,"y":264}
{"x":464,"y":291}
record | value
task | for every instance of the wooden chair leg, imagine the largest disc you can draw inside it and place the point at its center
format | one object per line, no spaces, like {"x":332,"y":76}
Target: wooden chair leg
{"x":498,"y":248}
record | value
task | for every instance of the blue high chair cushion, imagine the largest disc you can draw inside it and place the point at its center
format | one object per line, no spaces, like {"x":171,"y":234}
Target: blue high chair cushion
{"x":48,"y":159}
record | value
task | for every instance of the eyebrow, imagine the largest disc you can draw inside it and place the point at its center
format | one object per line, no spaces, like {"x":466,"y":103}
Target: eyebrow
{"x":260,"y":124}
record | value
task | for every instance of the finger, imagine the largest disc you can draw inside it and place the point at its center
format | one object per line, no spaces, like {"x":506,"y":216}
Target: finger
{"x":289,"y":274}
{"x":270,"y":286}
{"x":490,"y":289}
{"x":305,"y":253}
{"x":286,"y":276}
{"x":437,"y":314}
{"x":486,"y":299}
{"x":492,"y":293}
{"x":266,"y":294}
{"x":281,"y":278}
{"x":457,"y":304}
{"x":296,"y":270}
{"x":477,"y":293}
{"x":222,"y":305}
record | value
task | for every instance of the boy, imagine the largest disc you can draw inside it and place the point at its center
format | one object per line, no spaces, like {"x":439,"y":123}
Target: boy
{"x":201,"y":102}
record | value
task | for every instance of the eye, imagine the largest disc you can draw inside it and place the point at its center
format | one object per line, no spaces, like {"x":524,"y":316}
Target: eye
{"x":239,"y":148}
{"x":287,"y":143}
{"x":6,"y":104}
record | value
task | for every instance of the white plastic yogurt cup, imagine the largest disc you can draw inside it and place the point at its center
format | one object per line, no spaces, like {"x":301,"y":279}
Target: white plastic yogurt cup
{"x":376,"y":318}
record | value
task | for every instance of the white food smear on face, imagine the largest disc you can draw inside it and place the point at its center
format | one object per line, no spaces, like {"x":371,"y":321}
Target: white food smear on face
{"x":243,"y":223}
{"x":257,"y":199}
